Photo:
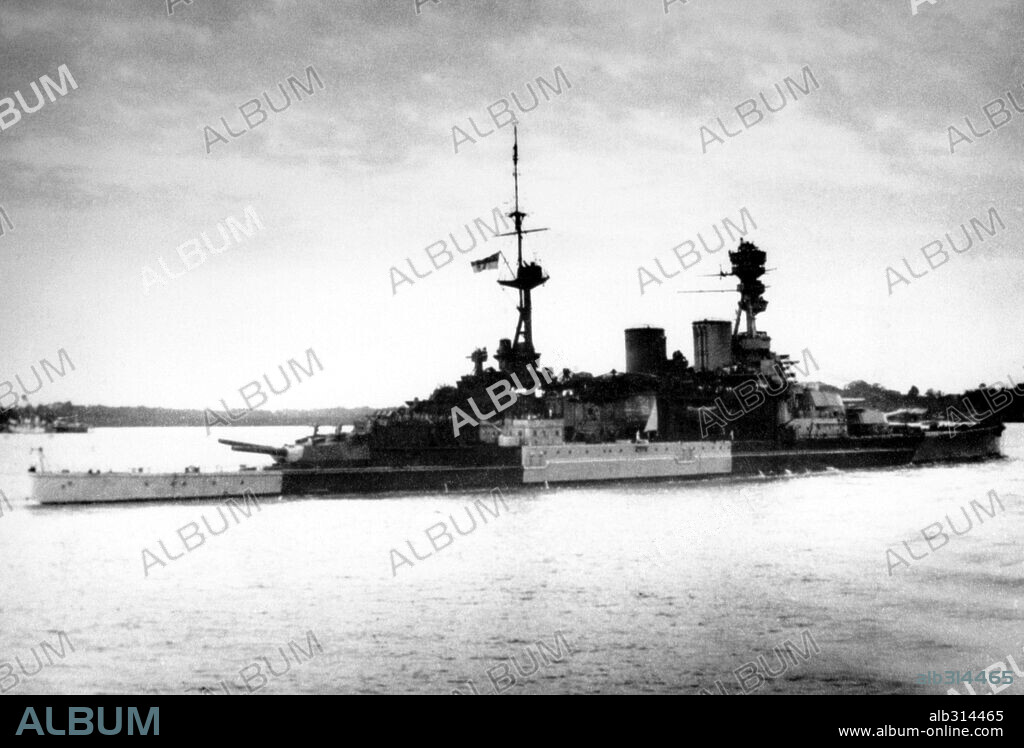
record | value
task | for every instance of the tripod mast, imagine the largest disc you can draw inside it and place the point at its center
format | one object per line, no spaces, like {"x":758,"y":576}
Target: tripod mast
{"x":514,"y":355}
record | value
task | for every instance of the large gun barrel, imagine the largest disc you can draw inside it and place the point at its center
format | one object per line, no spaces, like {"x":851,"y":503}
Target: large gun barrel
{"x":275,"y":452}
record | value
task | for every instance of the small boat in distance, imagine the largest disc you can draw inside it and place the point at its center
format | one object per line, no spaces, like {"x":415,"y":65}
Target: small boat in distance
{"x":29,"y":419}
{"x":67,"y":426}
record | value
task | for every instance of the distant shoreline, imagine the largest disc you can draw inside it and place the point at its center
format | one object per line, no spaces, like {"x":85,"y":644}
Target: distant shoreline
{"x":104,"y":416}
{"x":936,"y":405}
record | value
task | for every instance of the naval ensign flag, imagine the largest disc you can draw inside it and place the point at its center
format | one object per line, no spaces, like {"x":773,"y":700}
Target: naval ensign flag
{"x":487,"y":263}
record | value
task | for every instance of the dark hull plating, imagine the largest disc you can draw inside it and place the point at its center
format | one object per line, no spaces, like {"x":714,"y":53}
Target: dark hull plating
{"x":748,"y":458}
{"x":824,"y":454}
{"x":437,"y":478}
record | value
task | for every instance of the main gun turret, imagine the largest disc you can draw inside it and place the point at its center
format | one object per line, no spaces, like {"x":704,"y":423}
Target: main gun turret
{"x":278,"y":453}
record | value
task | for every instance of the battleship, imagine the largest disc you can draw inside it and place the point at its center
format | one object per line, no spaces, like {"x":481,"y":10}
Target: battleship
{"x":738,"y":409}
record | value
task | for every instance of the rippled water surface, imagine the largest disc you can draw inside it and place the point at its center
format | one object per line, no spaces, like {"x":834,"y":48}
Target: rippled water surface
{"x":656,"y":588}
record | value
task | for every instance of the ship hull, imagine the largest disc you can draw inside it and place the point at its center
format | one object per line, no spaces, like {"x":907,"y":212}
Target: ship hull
{"x":767,"y":458}
{"x":94,"y":488}
{"x":555,"y":464}
{"x":578,"y":464}
{"x":975,"y":443}
{"x":546,"y":465}
{"x":374,"y":480}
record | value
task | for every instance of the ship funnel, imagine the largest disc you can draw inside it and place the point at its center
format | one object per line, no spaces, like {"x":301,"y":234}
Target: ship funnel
{"x":712,"y":344}
{"x":645,"y":350}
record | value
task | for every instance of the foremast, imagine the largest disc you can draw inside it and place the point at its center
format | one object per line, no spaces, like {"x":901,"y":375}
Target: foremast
{"x":516,"y":354}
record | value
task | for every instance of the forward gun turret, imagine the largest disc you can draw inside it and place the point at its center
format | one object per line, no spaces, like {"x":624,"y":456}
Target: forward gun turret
{"x":278,"y":453}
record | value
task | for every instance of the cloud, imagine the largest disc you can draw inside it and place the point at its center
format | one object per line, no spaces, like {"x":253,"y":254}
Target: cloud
{"x":362,"y":174}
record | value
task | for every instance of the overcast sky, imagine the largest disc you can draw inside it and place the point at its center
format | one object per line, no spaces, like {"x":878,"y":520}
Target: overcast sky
{"x":848,"y":179}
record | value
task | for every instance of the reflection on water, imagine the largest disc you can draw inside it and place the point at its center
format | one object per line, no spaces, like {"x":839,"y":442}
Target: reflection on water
{"x":659,"y":588}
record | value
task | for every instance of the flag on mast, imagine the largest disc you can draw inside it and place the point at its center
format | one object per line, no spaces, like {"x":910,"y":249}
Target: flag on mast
{"x":487,"y":263}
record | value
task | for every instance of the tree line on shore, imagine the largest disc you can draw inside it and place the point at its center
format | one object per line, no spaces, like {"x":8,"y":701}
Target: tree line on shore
{"x":103,"y":416}
{"x":934,"y":402}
